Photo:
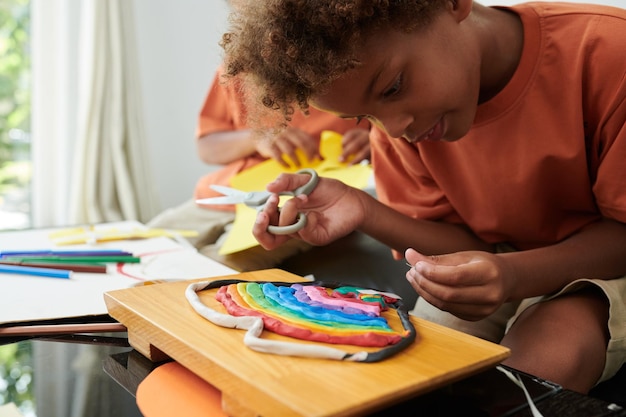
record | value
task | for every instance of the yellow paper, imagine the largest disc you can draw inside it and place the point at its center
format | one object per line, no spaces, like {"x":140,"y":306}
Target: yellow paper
{"x":93,"y":234}
{"x":257,"y":178}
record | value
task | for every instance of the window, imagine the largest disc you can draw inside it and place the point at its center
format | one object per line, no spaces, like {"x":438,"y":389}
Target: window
{"x":15,"y":168}
{"x":15,"y":165}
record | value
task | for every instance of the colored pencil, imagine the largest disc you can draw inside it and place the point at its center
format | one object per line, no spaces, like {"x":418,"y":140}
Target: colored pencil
{"x":39,"y":272}
{"x":92,"y":268}
{"x":41,"y":329}
{"x":73,"y":259}
{"x":46,"y":252}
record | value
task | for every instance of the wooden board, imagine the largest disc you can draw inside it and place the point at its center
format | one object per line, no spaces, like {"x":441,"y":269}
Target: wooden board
{"x":162,"y":324}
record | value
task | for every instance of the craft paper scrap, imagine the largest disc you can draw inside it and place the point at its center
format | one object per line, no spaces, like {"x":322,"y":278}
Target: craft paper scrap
{"x":257,"y":178}
{"x":10,"y":410}
{"x":97,"y":234}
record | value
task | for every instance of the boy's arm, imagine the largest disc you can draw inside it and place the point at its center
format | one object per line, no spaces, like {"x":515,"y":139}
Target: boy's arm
{"x":223,"y":147}
{"x":400,"y":232}
{"x":473,"y":284}
{"x":334,"y":210}
{"x":222,"y":135}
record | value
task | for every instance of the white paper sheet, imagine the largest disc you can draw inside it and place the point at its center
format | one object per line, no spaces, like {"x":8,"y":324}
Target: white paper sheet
{"x":26,"y":298}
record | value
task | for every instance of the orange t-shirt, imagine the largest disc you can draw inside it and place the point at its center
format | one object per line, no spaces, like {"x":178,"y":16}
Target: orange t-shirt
{"x":545,"y":156}
{"x":223,"y":110}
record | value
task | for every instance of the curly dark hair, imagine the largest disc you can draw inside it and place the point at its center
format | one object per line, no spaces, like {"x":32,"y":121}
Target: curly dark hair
{"x":289,"y":50}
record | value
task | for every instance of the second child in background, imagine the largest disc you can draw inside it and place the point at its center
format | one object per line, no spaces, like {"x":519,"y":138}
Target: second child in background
{"x":224,"y":138}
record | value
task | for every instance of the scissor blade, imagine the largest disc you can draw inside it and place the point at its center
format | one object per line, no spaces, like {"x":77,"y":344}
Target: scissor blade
{"x":222,"y":189}
{"x":231,"y":196}
{"x":231,"y":199}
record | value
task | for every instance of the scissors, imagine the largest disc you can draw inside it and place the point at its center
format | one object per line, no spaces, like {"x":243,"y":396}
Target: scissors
{"x":258,"y":200}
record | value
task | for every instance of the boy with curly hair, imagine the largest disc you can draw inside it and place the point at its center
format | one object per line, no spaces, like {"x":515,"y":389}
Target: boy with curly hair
{"x":498,"y":152}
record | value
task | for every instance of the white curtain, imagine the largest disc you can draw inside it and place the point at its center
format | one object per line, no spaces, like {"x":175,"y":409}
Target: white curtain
{"x":54,"y":34}
{"x":90,"y":158}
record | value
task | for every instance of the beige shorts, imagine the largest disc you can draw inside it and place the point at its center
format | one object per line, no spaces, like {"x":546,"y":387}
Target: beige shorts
{"x":495,"y":326}
{"x":615,"y":291}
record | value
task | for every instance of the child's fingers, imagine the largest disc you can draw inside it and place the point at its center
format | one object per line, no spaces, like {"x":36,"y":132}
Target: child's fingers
{"x":269,"y":215}
{"x":412,"y":256}
{"x":288,"y":213}
{"x":287,"y":182}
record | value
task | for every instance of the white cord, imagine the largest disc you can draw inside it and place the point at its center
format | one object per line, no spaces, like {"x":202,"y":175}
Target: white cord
{"x":518,"y":381}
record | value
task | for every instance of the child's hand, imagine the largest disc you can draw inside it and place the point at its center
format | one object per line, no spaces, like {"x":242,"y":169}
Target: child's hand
{"x":356,"y":145}
{"x":471,"y":285}
{"x":333,"y":210}
{"x":286,"y":143}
